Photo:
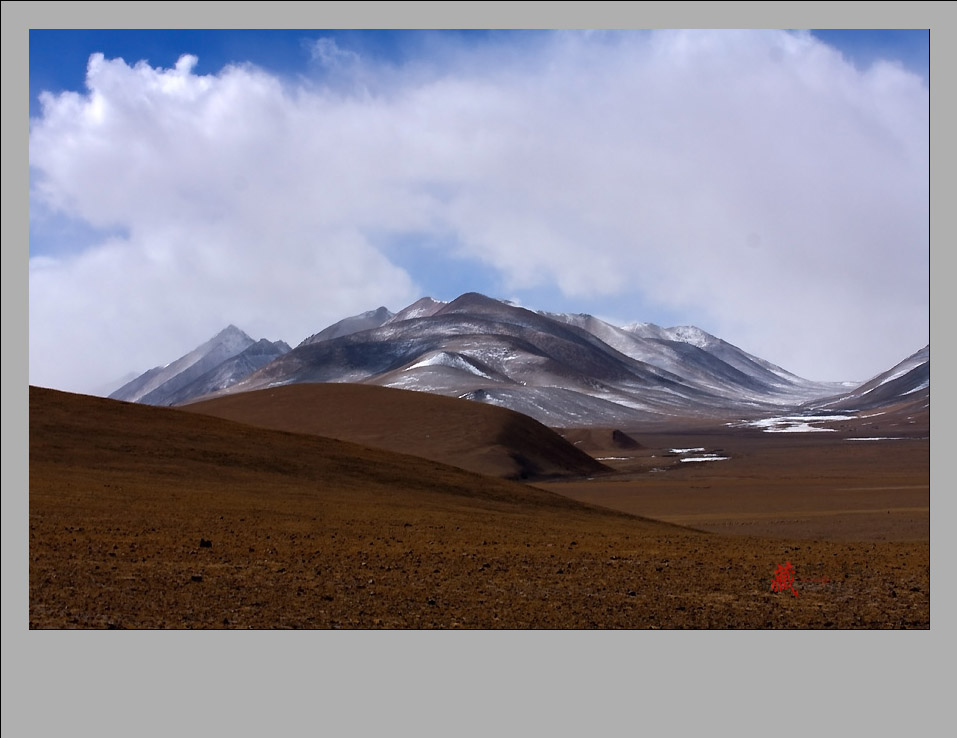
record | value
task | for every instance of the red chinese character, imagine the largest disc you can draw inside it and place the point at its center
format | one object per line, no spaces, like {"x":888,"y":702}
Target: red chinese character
{"x":784,"y":578}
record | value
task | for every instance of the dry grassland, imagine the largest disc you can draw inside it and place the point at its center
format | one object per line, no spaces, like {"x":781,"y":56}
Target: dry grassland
{"x":144,"y":517}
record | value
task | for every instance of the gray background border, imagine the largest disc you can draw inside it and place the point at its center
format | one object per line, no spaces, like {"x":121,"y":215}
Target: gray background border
{"x":158,"y":683}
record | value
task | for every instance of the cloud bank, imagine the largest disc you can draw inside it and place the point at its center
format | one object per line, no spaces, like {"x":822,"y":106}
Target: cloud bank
{"x":754,"y":181}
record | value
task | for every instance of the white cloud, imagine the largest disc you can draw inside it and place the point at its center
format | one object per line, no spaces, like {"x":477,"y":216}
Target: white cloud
{"x":753,"y":180}
{"x":327,"y":52}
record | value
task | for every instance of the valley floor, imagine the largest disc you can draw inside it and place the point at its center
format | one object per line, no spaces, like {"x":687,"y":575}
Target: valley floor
{"x":797,"y":486}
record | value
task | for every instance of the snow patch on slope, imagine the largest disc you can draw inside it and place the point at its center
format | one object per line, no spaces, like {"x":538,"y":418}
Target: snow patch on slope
{"x":922,"y":386}
{"x":455,"y":361}
{"x":690,"y":334}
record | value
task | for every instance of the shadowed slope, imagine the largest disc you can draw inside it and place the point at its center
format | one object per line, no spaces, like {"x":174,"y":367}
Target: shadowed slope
{"x":481,"y":438}
{"x":75,"y":437}
{"x":599,"y":441}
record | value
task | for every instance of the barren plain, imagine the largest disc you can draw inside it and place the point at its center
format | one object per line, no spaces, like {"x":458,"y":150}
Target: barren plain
{"x":144,"y":517}
{"x":794,"y":485}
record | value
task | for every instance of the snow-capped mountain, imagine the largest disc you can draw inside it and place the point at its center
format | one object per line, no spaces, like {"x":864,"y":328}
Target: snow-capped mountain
{"x":703,"y":360}
{"x":223,"y":375}
{"x":563,"y":370}
{"x":907,"y":382}
{"x":422,"y":308}
{"x":354,"y":324}
{"x":160,"y":385}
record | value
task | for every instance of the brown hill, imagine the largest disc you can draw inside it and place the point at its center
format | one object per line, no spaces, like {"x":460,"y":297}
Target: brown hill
{"x":482,"y":438}
{"x":599,"y":441}
{"x":76,"y":436}
{"x":145,"y":517}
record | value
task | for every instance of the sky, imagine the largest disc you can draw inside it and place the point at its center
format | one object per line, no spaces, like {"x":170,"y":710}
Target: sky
{"x":768,"y":186}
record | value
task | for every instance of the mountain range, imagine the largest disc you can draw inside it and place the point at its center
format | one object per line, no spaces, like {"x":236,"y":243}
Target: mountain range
{"x":223,"y":360}
{"x":564,"y":370}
